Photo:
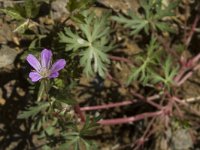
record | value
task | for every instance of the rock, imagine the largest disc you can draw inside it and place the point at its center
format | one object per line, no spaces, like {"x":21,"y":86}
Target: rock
{"x":121,"y":5}
{"x":7,"y":56}
{"x":9,"y":87}
{"x":7,"y":3}
{"x":5,"y":33}
{"x":58,"y":9}
{"x":182,"y":140}
{"x":2,"y":100}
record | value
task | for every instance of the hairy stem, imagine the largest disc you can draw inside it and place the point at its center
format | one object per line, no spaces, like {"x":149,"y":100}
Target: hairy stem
{"x":79,"y":112}
{"x":116,"y":58}
{"x":130,"y":119}
{"x":106,"y":106}
{"x":191,"y":33}
{"x":117,"y":104}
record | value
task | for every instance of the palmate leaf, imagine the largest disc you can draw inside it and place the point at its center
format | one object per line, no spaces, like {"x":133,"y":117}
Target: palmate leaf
{"x":33,"y":110}
{"x":27,"y":24}
{"x":135,"y":23}
{"x":38,"y":122}
{"x":94,"y":60}
{"x":147,"y":6}
{"x":77,"y":5}
{"x":89,"y":126}
{"x":77,"y":141}
{"x":28,"y":10}
{"x":31,"y":8}
{"x":12,"y":12}
{"x":163,"y":11}
{"x":24,"y":13}
{"x":72,"y":141}
{"x":61,"y":93}
{"x":170,"y":71}
{"x":164,"y":27}
{"x":143,"y":73}
{"x":62,"y":96}
{"x":73,"y":40}
{"x":91,"y":45}
{"x":150,"y":19}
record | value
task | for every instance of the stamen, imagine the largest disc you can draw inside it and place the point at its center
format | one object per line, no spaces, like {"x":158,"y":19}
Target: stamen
{"x":44,"y":72}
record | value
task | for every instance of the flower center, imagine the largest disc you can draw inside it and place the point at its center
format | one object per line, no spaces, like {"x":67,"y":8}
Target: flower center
{"x":44,"y":72}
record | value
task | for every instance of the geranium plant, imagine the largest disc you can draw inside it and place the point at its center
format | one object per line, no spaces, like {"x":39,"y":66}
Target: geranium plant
{"x":143,"y":87}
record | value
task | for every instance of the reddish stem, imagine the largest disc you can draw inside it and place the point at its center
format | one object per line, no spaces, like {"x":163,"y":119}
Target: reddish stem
{"x":79,"y":112}
{"x":116,"y":58}
{"x":130,"y":119}
{"x":118,"y":104}
{"x":186,"y":70}
{"x":191,"y":33}
{"x":182,"y":102}
{"x":188,"y":75}
{"x":195,"y":59}
{"x":148,"y":99}
{"x":106,"y":106}
{"x":180,"y":74}
{"x":146,"y":135}
{"x":109,"y":76}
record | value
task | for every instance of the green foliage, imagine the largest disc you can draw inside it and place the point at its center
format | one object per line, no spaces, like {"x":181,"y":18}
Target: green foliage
{"x":23,"y":13}
{"x":65,"y":97}
{"x":62,"y":93}
{"x":91,"y":44}
{"x":76,"y":140}
{"x":135,"y":23}
{"x":33,"y":110}
{"x":31,"y":8}
{"x":76,"y":7}
{"x":151,"y":19}
{"x":38,"y":122}
{"x":151,"y":63}
{"x":143,"y":73}
{"x":170,"y":72}
{"x":87,"y":44}
{"x":14,"y":12}
{"x":89,"y":126}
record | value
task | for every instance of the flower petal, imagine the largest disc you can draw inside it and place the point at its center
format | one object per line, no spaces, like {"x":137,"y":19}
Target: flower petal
{"x":54,"y":75}
{"x":35,"y":76}
{"x":58,"y":65}
{"x":46,"y":56}
{"x":32,"y":60}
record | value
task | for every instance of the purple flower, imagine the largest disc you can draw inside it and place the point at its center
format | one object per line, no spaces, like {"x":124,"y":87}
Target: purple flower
{"x":44,"y":69}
